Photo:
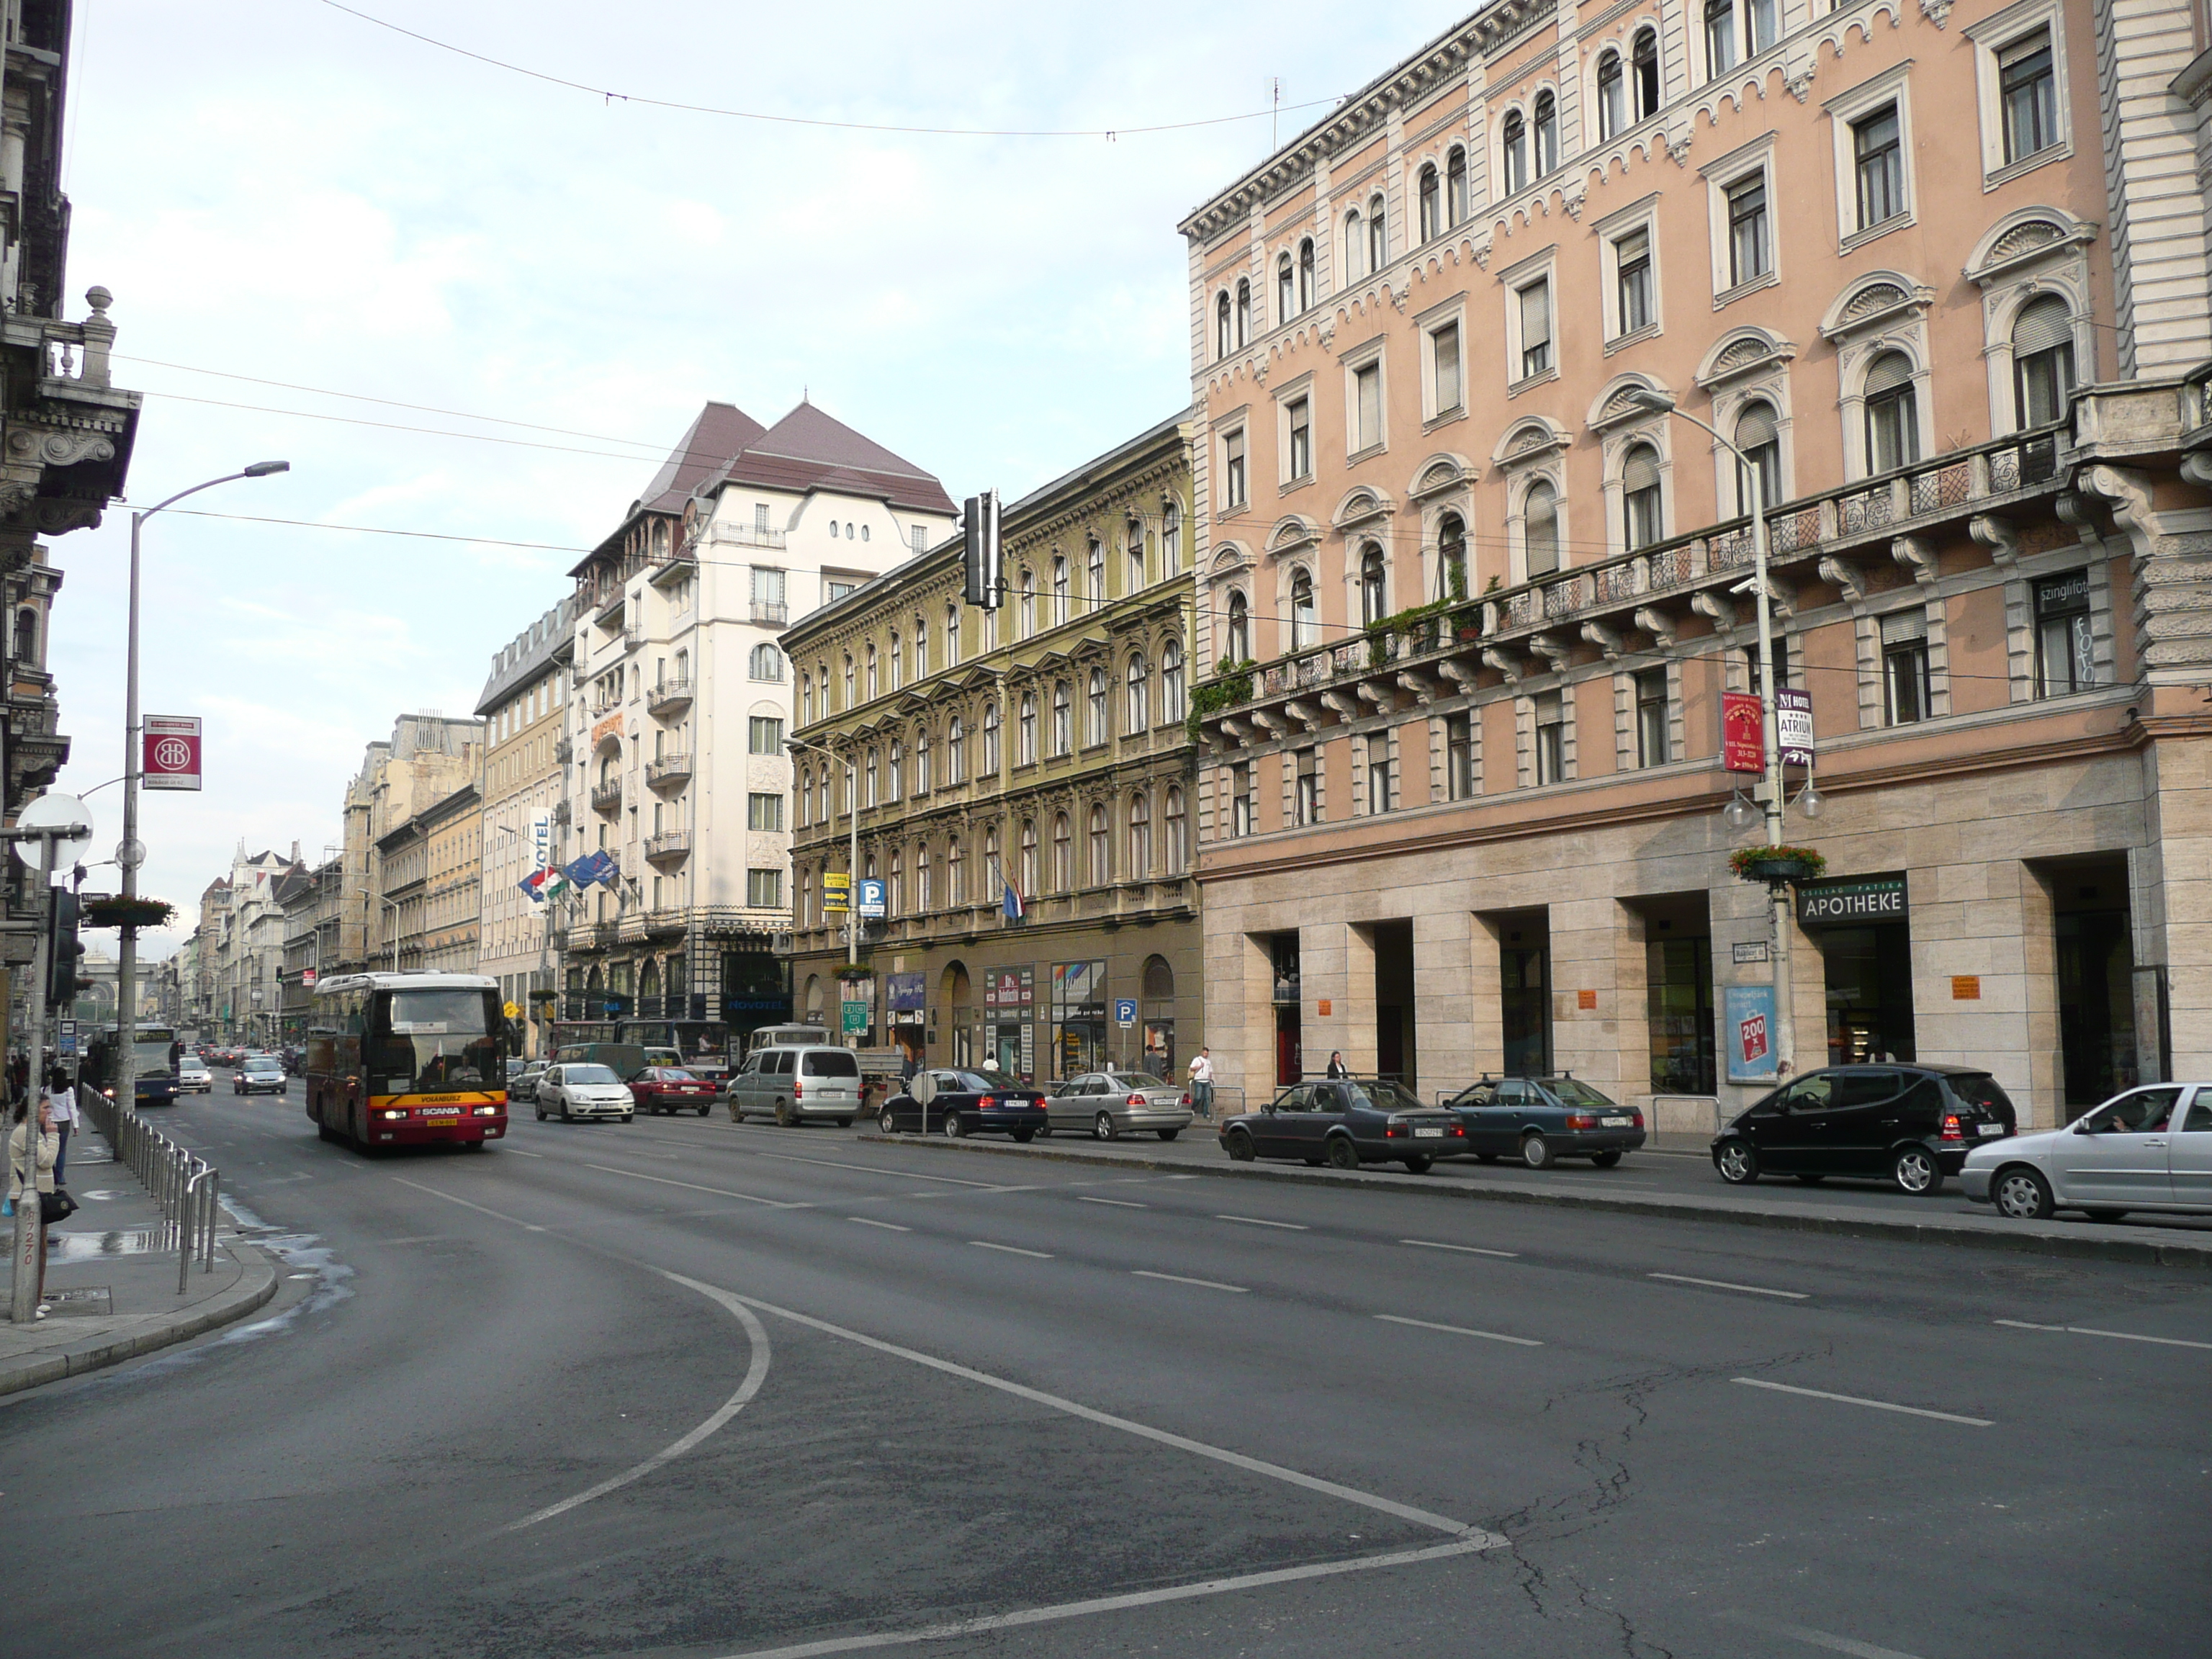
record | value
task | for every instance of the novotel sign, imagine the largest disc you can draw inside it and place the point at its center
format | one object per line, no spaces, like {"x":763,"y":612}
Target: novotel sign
{"x":1855,"y":899}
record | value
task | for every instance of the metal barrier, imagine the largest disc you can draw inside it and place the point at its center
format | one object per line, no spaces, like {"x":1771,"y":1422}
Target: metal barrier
{"x":1223,"y":1106}
{"x":186,"y":1187}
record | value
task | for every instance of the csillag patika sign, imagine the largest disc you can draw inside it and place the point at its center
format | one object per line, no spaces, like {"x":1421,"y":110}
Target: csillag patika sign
{"x":1853,"y":899}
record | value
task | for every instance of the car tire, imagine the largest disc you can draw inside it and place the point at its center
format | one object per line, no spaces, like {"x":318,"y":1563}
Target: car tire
{"x":1737,"y":1162}
{"x":1917,"y":1173}
{"x":844,"y":1122}
{"x":1342,"y":1154}
{"x":1239,"y":1147}
{"x":566,"y":1116}
{"x":1025,"y":1136}
{"x":886,"y":1122}
{"x":709,"y":1107}
{"x":541,"y":1114}
{"x":1605,"y":1160}
{"x":2103,"y":1214}
{"x":626,"y":1117}
{"x":1167,"y":1135}
{"x":1535,"y":1150}
{"x":1420,"y":1163}
{"x":1101,"y":1127}
{"x":784,"y":1117}
{"x":1044,"y":1132}
{"x":736,"y":1116}
{"x":2021,"y":1194}
{"x":953,"y":1128}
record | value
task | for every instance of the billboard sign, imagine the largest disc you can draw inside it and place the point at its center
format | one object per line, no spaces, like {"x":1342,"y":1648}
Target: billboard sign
{"x":170,"y":751}
{"x":1742,"y":732}
{"x":1793,"y":724}
{"x":836,"y":892}
{"x":1747,"y":1032}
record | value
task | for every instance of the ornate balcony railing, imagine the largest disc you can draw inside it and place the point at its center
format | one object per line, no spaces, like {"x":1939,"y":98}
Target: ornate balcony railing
{"x":665,"y":770}
{"x":607,"y":797}
{"x":668,"y":696}
{"x":674,"y":845}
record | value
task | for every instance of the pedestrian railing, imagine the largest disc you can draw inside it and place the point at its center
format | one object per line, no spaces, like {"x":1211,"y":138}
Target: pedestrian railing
{"x":186,"y":1187}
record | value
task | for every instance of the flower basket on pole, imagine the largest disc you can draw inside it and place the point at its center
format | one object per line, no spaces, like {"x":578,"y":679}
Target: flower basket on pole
{"x":128,"y":913}
{"x":1776,"y":866}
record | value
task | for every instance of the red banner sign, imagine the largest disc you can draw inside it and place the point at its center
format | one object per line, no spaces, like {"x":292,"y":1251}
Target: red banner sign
{"x":170,"y":758}
{"x":1742,"y":732}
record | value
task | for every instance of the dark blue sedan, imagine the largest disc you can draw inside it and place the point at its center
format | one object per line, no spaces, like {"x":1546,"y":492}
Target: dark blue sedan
{"x":967,"y":1101}
{"x":1345,"y":1123}
{"x":1541,"y":1119}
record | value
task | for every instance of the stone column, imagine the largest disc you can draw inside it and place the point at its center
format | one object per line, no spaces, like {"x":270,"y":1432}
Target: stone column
{"x":1443,"y":998}
{"x":1597,"y":957}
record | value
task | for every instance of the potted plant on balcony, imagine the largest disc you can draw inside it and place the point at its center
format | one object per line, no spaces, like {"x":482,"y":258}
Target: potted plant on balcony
{"x":1776,"y":865}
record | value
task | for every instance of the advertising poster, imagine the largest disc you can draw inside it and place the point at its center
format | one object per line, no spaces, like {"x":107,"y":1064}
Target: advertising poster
{"x":1742,"y":732}
{"x":1747,"y":1032}
{"x":1793,"y":724}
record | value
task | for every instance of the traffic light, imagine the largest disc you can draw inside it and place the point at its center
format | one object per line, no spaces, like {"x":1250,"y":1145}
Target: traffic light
{"x":64,"y":952}
{"x":979,"y":524}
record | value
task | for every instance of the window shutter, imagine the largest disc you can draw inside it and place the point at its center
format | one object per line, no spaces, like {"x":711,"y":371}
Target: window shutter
{"x":1641,"y":471}
{"x":1755,"y":427}
{"x":2042,"y":324}
{"x":1905,"y":627}
{"x":1891,"y":370}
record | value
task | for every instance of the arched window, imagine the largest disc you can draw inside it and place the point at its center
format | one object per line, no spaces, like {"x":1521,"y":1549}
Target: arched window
{"x":1025,"y":748}
{"x":1611,"y":96}
{"x":2042,"y":361}
{"x":1063,"y":719}
{"x":1172,"y":844}
{"x":1244,"y":310}
{"x":1028,"y":603}
{"x":1644,"y":60}
{"x":1094,"y":714}
{"x":1514,"y":142}
{"x":1720,"y":36}
{"x":1455,"y":201}
{"x":1140,"y":837}
{"x":992,"y":870}
{"x":1285,"y":290}
{"x":1221,"y":336}
{"x":868,"y":797}
{"x":1354,"y":246}
{"x":1139,"y":712}
{"x":1102,"y":850}
{"x":1136,"y":545}
{"x":896,"y":773}
{"x":1170,"y":538}
{"x":921,"y":649}
{"x":991,"y":741}
{"x":1059,"y":589}
{"x":897,"y":661}
{"x":1305,"y":618}
{"x":924,"y":898}
{"x":951,"y":635}
{"x":1432,"y":199}
{"x":803,"y":797}
{"x":955,"y":873}
{"x":1172,"y":699}
{"x":1378,"y":244}
{"x":895,"y":885}
{"x":1063,"y":854}
{"x":822,"y":796}
{"x":1759,"y":436}
{"x":1892,"y":414}
{"x":1639,"y":496}
{"x":766,"y":664}
{"x":1539,"y":528}
{"x":1238,"y":646}
{"x":1547,"y":133}
{"x":1306,"y":274}
{"x":1451,"y":557}
{"x":849,"y":680}
{"x":1097,"y":590}
{"x":923,"y":749}
{"x":872,"y":670}
{"x":806,"y":701}
{"x":956,"y":751}
{"x":1028,"y":866}
{"x":1374,"y":586}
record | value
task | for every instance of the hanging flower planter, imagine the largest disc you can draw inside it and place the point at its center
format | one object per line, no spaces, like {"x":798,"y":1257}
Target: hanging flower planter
{"x":1776,"y":865}
{"x":853,"y":973}
{"x":128,"y":912}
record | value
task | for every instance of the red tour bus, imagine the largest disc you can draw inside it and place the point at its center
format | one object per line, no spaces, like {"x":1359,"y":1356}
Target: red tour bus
{"x":408,"y":1060}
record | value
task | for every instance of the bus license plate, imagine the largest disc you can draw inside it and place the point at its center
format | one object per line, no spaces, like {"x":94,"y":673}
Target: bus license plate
{"x":1428,"y":1134}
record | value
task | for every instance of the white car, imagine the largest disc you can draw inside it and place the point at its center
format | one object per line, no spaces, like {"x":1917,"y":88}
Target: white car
{"x":193,"y":1077}
{"x":2149,"y":1149}
{"x":578,"y":1089}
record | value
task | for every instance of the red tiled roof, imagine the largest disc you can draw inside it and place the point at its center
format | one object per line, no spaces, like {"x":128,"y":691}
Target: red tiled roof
{"x":808,"y":450}
{"x":721,"y":431}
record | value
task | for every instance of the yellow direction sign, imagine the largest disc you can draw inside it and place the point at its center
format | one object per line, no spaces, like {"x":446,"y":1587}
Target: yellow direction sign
{"x":514,"y":1011}
{"x":836,"y":892}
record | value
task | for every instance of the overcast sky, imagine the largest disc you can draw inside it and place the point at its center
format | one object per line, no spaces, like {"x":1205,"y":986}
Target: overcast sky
{"x":277,"y":190}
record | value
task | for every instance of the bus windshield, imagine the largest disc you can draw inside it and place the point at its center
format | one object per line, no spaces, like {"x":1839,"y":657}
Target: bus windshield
{"x":435,"y":1039}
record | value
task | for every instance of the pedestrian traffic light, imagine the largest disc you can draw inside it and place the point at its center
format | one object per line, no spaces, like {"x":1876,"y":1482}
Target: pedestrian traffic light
{"x":64,"y":952}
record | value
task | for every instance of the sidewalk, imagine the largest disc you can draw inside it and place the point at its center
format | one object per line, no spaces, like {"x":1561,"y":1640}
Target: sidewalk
{"x":111,"y":1291}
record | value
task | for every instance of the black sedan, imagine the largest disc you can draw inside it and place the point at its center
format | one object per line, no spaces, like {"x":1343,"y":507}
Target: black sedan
{"x":966,"y":1102}
{"x":1541,"y":1119}
{"x":1346,"y":1122}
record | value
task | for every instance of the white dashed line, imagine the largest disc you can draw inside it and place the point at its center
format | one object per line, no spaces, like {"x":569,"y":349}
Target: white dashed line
{"x":1011,"y":1250}
{"x":1872,"y":1404}
{"x":2120,"y":1336}
{"x":1463,"y":1249}
{"x":888,"y":1226}
{"x":1462,"y":1330}
{"x":519,"y":1153}
{"x":1118,"y":1203}
{"x":694,"y":1187}
{"x":1177,"y":1278}
{"x":1254,"y":1221}
{"x":1723,"y":1284}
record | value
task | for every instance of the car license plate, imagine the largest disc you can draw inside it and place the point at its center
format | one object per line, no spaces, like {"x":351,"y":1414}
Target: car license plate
{"x":1616,"y":1123}
{"x":1428,"y":1134}
{"x":1989,"y":1129}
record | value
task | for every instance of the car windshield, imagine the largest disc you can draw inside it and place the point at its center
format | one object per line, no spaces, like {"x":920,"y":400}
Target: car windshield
{"x":1381,"y":1095}
{"x":436,"y":1039}
{"x":589,"y":1074}
{"x":1572,"y":1093}
{"x":984,"y":1082}
{"x":264,"y":1065}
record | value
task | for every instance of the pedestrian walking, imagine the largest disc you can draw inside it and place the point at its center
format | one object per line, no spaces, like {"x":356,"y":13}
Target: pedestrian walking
{"x":1201,"y":1082}
{"x":61,"y":1111}
{"x":1336,"y":1066}
{"x":23,"y":1162}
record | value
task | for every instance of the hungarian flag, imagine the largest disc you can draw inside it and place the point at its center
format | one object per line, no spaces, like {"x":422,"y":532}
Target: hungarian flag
{"x":545,"y":884}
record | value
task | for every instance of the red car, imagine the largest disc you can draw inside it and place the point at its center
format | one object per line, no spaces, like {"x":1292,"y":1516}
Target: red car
{"x":671,"y":1089}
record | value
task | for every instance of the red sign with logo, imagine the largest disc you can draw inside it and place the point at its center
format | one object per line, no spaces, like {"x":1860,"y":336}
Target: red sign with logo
{"x":170,"y":758}
{"x":1742,"y":732}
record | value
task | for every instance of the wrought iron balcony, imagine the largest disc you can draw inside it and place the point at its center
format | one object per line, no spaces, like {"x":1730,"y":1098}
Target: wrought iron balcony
{"x":607,"y":797}
{"x":771,"y":613}
{"x":669,"y":697}
{"x":672,"y":847}
{"x":667,"y":770}
{"x":564,"y":750}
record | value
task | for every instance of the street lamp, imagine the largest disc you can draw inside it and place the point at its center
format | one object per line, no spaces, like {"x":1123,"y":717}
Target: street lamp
{"x":131,"y":854}
{"x":1785,"y":1044}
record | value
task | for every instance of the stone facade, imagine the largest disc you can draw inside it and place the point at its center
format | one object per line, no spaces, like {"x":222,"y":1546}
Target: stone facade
{"x":523,"y":706}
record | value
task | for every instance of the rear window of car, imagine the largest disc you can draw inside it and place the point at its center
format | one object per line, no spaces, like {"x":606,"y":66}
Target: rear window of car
{"x":1135,"y":1080}
{"x":1572,"y":1092}
{"x":588,"y":1074}
{"x":1980,"y":1089}
{"x":671,"y":1074}
{"x":1381,"y":1097}
{"x":829,"y":1062}
{"x":982,"y":1082}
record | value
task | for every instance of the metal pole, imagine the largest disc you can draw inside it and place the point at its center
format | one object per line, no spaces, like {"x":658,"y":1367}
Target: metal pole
{"x":30,"y":1219}
{"x":126,"y":966}
{"x":1777,"y":893}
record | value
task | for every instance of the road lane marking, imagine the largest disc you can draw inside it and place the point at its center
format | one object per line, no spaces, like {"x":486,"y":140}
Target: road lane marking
{"x":1116,"y":1603}
{"x":1254,"y":1221}
{"x":1874,"y":1405}
{"x":1458,"y":1530}
{"x":1724,"y":1284}
{"x":496,"y":1215}
{"x":1463,"y":1249}
{"x":877,"y":1169}
{"x":1817,"y":1638}
{"x":755,"y":1374}
{"x":1462,"y":1330}
{"x":519,"y":1153}
{"x":1177,"y":1278}
{"x":2121,"y":1336}
{"x":888,"y":1226}
{"x":1011,"y":1250}
{"x":1118,"y":1203}
{"x":694,"y":1187}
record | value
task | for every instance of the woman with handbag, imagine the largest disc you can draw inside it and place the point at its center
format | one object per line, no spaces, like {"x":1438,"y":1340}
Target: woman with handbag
{"x":61,"y":1110}
{"x":40,"y":1164}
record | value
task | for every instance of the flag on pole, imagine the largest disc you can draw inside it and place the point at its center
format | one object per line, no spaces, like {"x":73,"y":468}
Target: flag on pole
{"x":543,"y":884}
{"x":1011,"y":900}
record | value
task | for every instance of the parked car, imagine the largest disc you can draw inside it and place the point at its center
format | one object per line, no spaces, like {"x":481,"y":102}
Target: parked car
{"x":1541,"y":1119}
{"x":672,"y":1089}
{"x":796,"y":1084}
{"x":575,"y":1088}
{"x":260,"y":1074}
{"x":1106,"y":1104}
{"x":969,"y":1101}
{"x":1346,"y":1122}
{"x":523,"y":1084}
{"x":1913,"y":1123}
{"x":2149,"y":1149}
{"x":193,"y":1077}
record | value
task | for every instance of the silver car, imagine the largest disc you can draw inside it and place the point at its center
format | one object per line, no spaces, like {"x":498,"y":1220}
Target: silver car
{"x":796,"y":1084}
{"x":2149,"y":1149}
{"x":577,"y":1089}
{"x":1109,"y":1104}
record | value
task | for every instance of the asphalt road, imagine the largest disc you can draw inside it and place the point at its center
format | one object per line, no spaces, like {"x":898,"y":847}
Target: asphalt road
{"x":682,"y":1388}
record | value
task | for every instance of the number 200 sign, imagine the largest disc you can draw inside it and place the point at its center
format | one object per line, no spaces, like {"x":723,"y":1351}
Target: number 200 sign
{"x":171,"y":756}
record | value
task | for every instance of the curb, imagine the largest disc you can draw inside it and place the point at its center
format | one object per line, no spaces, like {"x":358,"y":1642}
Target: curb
{"x":2148,"y":1249}
{"x":256,"y":1284}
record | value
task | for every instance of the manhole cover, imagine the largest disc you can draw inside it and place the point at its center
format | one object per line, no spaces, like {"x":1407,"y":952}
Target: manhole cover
{"x":86,"y":1301}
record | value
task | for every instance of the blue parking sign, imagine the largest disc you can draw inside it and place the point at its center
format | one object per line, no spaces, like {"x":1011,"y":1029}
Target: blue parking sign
{"x":1125,"y":1011}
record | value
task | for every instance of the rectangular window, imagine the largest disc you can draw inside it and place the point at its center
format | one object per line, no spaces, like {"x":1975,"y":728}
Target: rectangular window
{"x":1232,"y":458}
{"x":1551,"y":738}
{"x":764,"y":811}
{"x":1444,"y":350}
{"x":1240,"y":799}
{"x":764,"y":889}
{"x":1300,"y":415}
{"x":1746,"y":215}
{"x":1904,"y":667}
{"x":1632,"y":282}
{"x":833,"y":589}
{"x":1535,"y":328}
{"x":1367,"y":406}
{"x":1306,"y":807}
{"x":760,"y":518}
{"x":768,"y":586}
{"x":767,"y":735}
{"x":1653,"y":718}
{"x":1378,"y":776}
{"x":2065,"y":657}
{"x":1459,"y":756}
{"x":920,"y":535}
{"x":1879,"y":163}
{"x":2029,"y":95}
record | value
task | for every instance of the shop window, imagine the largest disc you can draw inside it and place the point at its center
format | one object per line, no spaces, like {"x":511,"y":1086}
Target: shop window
{"x":1679,"y":1006}
{"x":2065,"y":653}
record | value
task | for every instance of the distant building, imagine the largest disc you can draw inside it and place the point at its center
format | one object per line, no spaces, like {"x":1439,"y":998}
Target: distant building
{"x":428,"y":757}
{"x":431,"y":869}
